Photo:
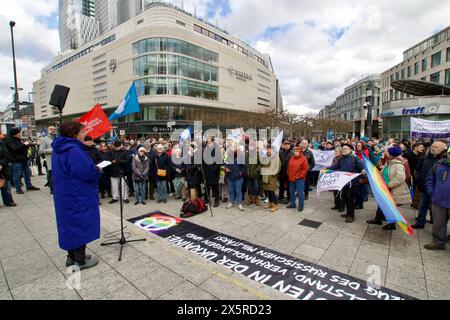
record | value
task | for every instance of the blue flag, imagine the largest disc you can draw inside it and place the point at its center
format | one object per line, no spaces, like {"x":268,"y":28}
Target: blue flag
{"x":129,"y":105}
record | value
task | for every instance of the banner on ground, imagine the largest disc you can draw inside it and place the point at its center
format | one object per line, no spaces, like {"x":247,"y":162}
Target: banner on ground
{"x":95,"y":122}
{"x":430,"y":129}
{"x":323,"y":159}
{"x":384,"y":199}
{"x":330,"y":180}
{"x":296,"y":278}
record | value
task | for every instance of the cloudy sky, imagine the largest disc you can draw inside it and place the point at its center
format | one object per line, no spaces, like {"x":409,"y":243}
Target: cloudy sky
{"x":317,"y":47}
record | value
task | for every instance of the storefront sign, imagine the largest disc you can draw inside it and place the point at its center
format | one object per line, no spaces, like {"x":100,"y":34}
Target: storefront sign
{"x":419,"y":110}
{"x":239,"y":74}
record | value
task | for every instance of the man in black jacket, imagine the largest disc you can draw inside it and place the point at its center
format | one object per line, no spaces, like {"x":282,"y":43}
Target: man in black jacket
{"x":5,"y":173}
{"x":285,"y":155}
{"x":212,"y":173}
{"x":311,"y":163}
{"x":426,"y":164}
{"x":18,"y":152}
{"x":92,"y":150}
{"x":119,"y":159}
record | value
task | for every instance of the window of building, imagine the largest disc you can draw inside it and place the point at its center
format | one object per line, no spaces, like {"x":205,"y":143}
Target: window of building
{"x":397,"y":76}
{"x":447,"y":77}
{"x":424,"y":64}
{"x":436,"y":59}
{"x":409,"y":71}
{"x":416,"y":68}
{"x":403,"y":74}
{"x":435,"y":77}
{"x":448,"y":54}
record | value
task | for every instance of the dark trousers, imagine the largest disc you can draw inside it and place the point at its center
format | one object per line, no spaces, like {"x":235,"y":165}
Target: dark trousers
{"x":50,"y":180}
{"x":283,"y":180}
{"x":6,"y":193}
{"x":272,"y":197}
{"x":78,"y":255}
{"x":215,"y":191}
{"x":130,"y":182}
{"x":338,"y":200}
{"x":307,"y":183}
{"x":348,"y":196}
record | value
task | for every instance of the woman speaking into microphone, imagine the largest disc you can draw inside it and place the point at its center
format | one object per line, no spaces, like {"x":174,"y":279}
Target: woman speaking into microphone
{"x":75,"y":195}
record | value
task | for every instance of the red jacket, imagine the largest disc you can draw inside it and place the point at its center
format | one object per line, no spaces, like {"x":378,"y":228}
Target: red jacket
{"x":360,"y":154}
{"x":297,"y":168}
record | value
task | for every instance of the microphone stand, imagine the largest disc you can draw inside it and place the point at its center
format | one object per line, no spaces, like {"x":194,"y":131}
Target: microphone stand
{"x":123,"y":239}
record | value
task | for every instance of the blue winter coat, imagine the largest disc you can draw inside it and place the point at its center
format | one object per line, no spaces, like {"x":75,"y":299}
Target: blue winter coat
{"x":438,"y":184}
{"x":75,"y":180}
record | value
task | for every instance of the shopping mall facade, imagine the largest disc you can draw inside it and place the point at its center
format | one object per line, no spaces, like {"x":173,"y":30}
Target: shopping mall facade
{"x":184,"y":70}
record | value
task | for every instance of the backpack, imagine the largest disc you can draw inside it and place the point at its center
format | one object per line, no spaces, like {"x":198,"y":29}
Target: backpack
{"x":192,"y":208}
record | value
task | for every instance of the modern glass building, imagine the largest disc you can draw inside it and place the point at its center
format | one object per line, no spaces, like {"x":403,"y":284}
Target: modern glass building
{"x":184,"y":70}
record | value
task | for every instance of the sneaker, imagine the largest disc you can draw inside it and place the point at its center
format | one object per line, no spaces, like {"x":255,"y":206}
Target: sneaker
{"x":113,"y":201}
{"x":433,"y":247}
{"x":230,"y":205}
{"x":300,"y":210}
{"x":33,"y":188}
{"x":20,"y":192}
{"x":241,"y":207}
{"x":171,"y":195}
{"x":267,"y":200}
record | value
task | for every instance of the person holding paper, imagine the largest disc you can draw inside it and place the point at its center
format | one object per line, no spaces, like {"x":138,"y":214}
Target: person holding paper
{"x":75,"y":195}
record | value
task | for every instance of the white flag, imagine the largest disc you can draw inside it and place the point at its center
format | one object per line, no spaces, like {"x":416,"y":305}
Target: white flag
{"x":276,"y":145}
{"x":323,"y":159}
{"x":334,"y":180}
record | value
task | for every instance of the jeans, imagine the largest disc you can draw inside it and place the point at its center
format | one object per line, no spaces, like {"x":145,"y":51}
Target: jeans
{"x":359,"y":196}
{"x":235,"y":190}
{"x":6,"y":194}
{"x":297,"y":187}
{"x":18,"y":169}
{"x":425,"y":200}
{"x":140,"y":189}
{"x":253,"y":187}
{"x":161,"y":189}
{"x":307,"y":183}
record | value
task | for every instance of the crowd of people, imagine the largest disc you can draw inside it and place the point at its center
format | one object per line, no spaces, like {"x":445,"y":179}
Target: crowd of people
{"x":150,"y":169}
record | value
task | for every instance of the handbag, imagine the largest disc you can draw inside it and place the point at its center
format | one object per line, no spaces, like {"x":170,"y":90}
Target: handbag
{"x":161,"y":173}
{"x":2,"y":182}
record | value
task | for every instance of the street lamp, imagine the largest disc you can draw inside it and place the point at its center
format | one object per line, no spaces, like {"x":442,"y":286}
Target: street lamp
{"x":369,"y":106}
{"x":12,"y":24}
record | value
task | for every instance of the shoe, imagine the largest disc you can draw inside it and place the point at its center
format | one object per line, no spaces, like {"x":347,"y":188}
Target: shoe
{"x":359,"y":208}
{"x":344,"y":215}
{"x":267,"y":206}
{"x":33,"y":188}
{"x":20,"y":192}
{"x":433,"y":247}
{"x":241,"y":207}
{"x":89,"y":263}
{"x":143,"y":202}
{"x":349,"y":220}
{"x":113,"y":201}
{"x":136,"y":203}
{"x":283,"y":201}
{"x":70,"y":262}
{"x":389,"y":227}
{"x":274,"y":208}
{"x":12,"y":205}
{"x":335,"y":208}
{"x":230,"y":205}
{"x":126,"y":201}
{"x":171,"y":195}
{"x":257,"y":201}
{"x":341,"y":210}
{"x":417,"y":226}
{"x":306,"y":198}
{"x":375,"y":222}
{"x":250,"y":201}
{"x":216,"y":203}
{"x":102,"y":196}
{"x":300,"y":210}
{"x":225,"y":200}
{"x":164,"y":201}
{"x":290,"y":207}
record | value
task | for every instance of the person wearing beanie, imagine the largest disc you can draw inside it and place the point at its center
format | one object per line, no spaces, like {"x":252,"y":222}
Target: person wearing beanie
{"x":141,"y":167}
{"x":394,"y":174}
{"x":349,"y":163}
{"x":438,"y":184}
{"x":18,"y":152}
{"x":297,"y":171}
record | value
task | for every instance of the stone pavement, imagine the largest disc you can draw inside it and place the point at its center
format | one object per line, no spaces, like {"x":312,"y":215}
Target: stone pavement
{"x":33,"y":266}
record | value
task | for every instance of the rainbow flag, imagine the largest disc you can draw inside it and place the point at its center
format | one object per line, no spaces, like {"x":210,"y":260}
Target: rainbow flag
{"x":384,"y":198}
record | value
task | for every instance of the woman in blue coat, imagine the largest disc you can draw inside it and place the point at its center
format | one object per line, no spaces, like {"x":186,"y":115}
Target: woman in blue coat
{"x":75,"y":195}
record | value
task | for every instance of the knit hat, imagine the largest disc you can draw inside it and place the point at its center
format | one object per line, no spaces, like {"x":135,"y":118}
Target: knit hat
{"x":349,"y":145}
{"x":395,"y":151}
{"x":365,"y":139}
{"x":143,"y":149}
{"x":14,"y":131}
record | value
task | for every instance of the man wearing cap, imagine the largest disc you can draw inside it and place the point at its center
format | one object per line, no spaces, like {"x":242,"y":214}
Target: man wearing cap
{"x":349,"y":163}
{"x":438,"y":184}
{"x":19,"y":158}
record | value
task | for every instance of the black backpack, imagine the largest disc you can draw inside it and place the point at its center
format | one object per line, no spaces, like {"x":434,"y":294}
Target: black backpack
{"x":192,"y":208}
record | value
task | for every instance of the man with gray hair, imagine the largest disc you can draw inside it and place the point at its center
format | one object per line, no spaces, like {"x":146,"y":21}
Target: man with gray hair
{"x":46,"y":150}
{"x":436,"y":153}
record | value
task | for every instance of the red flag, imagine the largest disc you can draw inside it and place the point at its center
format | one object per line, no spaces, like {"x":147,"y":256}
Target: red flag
{"x":96,"y":122}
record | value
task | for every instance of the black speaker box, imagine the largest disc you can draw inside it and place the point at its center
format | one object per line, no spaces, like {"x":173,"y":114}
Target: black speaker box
{"x":59,"y":97}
